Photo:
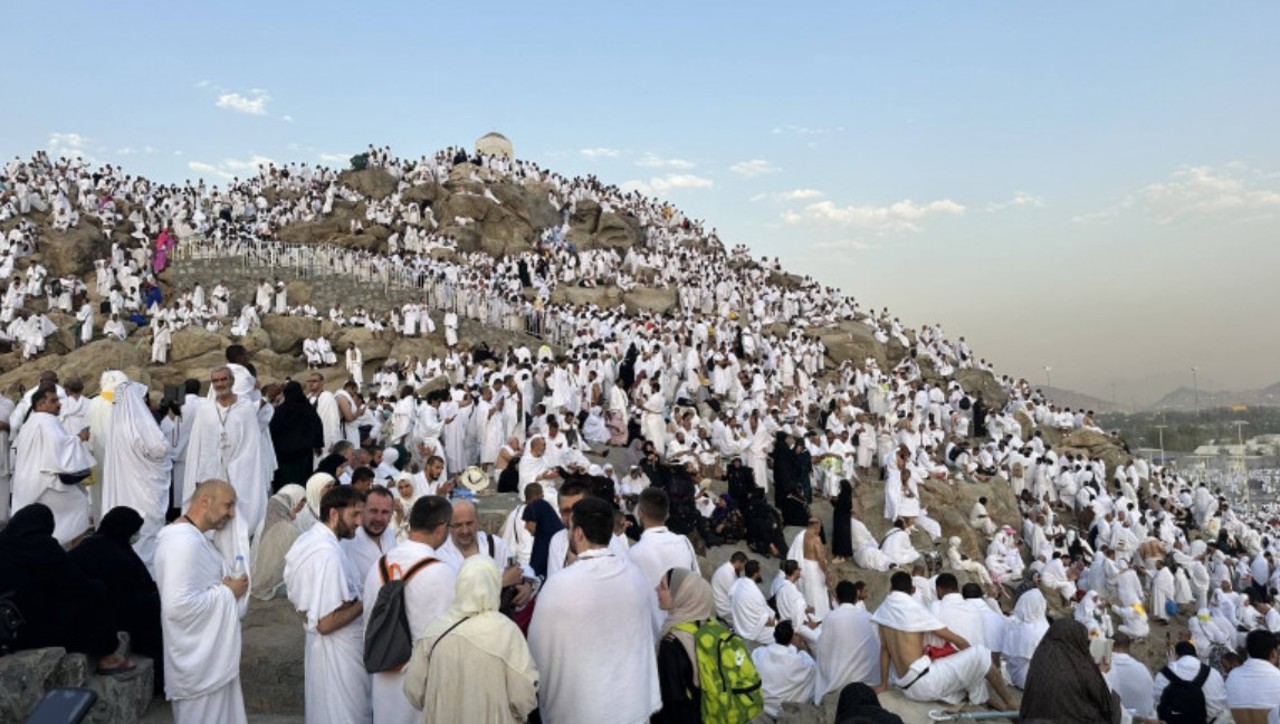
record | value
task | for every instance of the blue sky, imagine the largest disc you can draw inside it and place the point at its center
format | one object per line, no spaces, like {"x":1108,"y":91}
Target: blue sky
{"x":1089,"y":186}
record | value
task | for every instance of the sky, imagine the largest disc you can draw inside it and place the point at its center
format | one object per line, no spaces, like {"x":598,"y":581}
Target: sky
{"x":1088,"y":187}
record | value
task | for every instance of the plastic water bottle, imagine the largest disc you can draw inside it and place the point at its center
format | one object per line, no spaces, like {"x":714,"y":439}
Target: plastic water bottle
{"x":237,"y":567}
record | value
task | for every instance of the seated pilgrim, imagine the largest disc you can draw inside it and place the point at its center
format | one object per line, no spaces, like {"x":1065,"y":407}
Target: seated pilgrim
{"x":786,"y":673}
{"x":108,"y":556}
{"x":60,"y":605}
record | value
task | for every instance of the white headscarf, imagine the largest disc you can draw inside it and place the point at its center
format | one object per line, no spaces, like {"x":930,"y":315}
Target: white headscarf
{"x":1027,"y":626}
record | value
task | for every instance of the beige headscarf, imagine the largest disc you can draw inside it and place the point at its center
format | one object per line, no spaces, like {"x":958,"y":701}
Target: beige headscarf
{"x":277,"y":534}
{"x":691,"y":602}
{"x":476,"y":598}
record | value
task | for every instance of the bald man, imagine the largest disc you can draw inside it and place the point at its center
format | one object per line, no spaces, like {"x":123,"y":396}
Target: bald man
{"x":200,"y":611}
{"x":467,"y":540}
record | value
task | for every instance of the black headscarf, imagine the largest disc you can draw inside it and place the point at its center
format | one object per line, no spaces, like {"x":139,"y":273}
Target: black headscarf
{"x":329,"y":464}
{"x":1064,"y":685}
{"x":28,"y":539}
{"x":548,"y":524}
{"x":860,"y":705}
{"x":119,"y":524}
{"x":295,"y":426}
{"x":60,"y":604}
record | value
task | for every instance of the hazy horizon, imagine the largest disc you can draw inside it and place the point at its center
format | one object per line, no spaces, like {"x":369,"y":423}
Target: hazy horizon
{"x":1093,"y":188}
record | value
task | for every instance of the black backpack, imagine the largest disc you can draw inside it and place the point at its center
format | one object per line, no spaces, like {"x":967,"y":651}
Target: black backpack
{"x":1182,"y":702}
{"x":388,"y":643}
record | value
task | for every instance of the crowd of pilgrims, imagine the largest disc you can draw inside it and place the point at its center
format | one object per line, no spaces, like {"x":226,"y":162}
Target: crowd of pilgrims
{"x":321,"y":484}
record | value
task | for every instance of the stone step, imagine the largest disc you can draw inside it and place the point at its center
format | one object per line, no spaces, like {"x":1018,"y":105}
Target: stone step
{"x":25,"y":676}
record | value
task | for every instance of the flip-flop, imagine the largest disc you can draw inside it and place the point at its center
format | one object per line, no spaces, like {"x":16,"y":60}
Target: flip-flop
{"x":121,"y":668}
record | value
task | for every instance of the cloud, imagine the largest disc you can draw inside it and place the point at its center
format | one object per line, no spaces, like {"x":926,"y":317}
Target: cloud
{"x":203,"y":84}
{"x":231,"y":167}
{"x":799,"y":195}
{"x":1234,"y":191}
{"x":650,"y":160}
{"x":660,"y":185}
{"x":208,"y":169}
{"x":600,"y":152}
{"x":335,"y":157}
{"x":794,"y":130}
{"x":70,"y":145}
{"x":287,"y":119}
{"x":1020,"y":198}
{"x":902,"y":215}
{"x":254,"y":103}
{"x":753,"y":168}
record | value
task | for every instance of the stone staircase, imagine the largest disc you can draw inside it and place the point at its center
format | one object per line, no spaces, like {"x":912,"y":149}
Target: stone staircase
{"x":26,"y":676}
{"x":323,"y":290}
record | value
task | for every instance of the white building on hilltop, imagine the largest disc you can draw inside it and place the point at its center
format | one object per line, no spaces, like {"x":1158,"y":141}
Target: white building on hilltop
{"x":495,"y":144}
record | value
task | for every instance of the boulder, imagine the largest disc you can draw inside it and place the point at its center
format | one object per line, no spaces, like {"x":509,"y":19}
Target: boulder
{"x":603,"y":297}
{"x":1098,"y":446}
{"x":851,"y":341}
{"x":981,"y":382}
{"x":616,"y":231}
{"x":298,"y":291}
{"x":530,"y":203}
{"x":74,"y":250}
{"x":22,"y":680}
{"x":123,"y":698}
{"x":375,"y":183}
{"x":192,"y":342}
{"x":650,"y":299}
{"x":373,"y":346}
{"x":271,"y":658}
{"x":287,"y":333}
{"x":424,"y":194}
{"x":88,"y":363}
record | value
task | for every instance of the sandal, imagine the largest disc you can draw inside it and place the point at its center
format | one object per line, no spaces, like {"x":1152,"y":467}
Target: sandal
{"x":124,"y":666}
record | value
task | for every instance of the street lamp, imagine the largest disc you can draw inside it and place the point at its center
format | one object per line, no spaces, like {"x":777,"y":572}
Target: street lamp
{"x":1161,"y":429}
{"x":1195,"y":386}
{"x":1048,"y":381}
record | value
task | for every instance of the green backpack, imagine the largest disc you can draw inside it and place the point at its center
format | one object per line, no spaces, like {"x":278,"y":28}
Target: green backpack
{"x":731,"y":692}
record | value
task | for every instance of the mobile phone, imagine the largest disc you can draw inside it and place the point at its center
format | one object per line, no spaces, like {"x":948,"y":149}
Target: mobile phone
{"x":63,"y":706}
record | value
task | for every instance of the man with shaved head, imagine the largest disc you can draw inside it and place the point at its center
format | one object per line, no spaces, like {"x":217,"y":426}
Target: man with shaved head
{"x":200,"y":611}
{"x":466,"y":540}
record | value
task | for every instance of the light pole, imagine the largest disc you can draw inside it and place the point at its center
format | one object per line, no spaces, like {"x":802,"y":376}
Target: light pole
{"x":1161,"y":429}
{"x":1048,"y":381}
{"x":1114,"y":404}
{"x":1244,"y":472}
{"x":1195,"y":386}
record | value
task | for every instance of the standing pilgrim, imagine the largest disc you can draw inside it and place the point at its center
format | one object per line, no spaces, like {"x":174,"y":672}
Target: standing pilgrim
{"x":428,"y":593}
{"x":98,"y":415}
{"x":602,"y":601}
{"x":355,"y":364}
{"x":200,"y":612}
{"x":451,"y":329}
{"x":49,"y":464}
{"x":325,"y":588}
{"x":226,"y":443}
{"x":136,"y":472}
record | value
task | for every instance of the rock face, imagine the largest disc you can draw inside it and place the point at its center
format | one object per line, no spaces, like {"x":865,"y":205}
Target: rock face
{"x":983,"y":383}
{"x":26,"y":676}
{"x":271,"y":670}
{"x":372,"y":182}
{"x":74,"y":250}
{"x":649,"y":299}
{"x":851,"y":341}
{"x":87,"y":363}
{"x":1098,"y":446}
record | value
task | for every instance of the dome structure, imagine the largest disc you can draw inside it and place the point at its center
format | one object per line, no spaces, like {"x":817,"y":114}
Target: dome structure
{"x":494,"y":144}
